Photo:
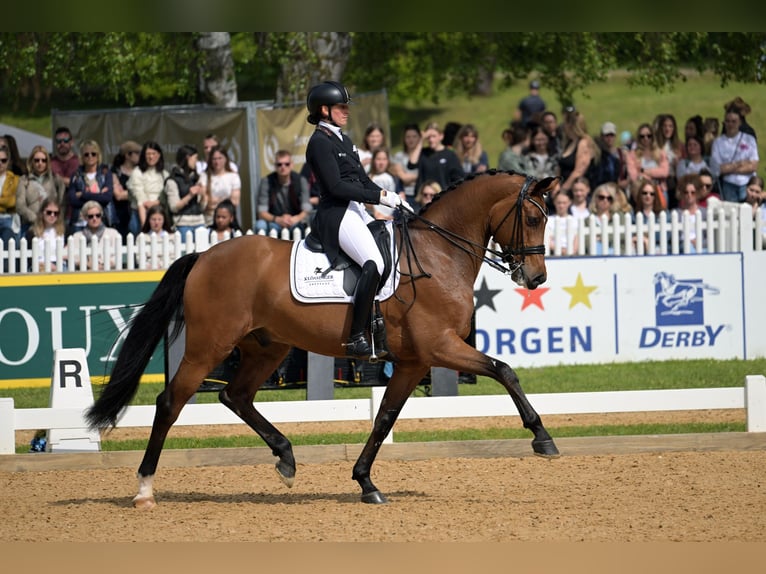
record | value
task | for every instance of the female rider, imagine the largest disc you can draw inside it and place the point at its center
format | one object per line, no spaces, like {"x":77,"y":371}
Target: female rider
{"x":341,"y":218}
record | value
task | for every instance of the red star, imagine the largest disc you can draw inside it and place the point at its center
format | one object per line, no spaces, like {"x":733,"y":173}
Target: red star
{"x":532,"y":297}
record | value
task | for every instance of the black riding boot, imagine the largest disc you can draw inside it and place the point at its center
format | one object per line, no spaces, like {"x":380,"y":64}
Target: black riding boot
{"x":366,"y":287}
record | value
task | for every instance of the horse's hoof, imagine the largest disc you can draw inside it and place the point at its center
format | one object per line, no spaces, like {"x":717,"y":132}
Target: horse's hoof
{"x":374,"y":497}
{"x":545,"y":448}
{"x":144,"y":503}
{"x":286,"y":474}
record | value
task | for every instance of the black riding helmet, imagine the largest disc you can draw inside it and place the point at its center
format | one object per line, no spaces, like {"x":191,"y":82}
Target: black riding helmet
{"x":325,"y":94}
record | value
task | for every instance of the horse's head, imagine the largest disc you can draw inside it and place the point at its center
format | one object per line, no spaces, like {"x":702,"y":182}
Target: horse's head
{"x":517,"y":223}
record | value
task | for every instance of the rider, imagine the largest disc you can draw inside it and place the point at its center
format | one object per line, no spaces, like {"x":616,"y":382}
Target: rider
{"x":341,"y":218}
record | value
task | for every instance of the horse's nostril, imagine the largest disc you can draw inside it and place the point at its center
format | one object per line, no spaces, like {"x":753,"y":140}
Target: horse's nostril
{"x":539,"y":280}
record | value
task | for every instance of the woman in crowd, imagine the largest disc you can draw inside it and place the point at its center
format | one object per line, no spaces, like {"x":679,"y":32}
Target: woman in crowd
{"x":580,"y":207}
{"x":222,"y":181}
{"x":157,"y":225}
{"x":579,"y":149}
{"x":225,"y":224}
{"x":537,"y":162}
{"x":755,"y":197}
{"x":374,"y":137}
{"x":186,"y":192}
{"x":123,"y":164}
{"x":380,"y":174}
{"x":48,"y":227}
{"x":93,"y":181}
{"x":646,"y":199}
{"x":693,"y":161}
{"x":648,"y":160}
{"x":92,"y":212}
{"x":563,"y":222}
{"x":426,"y":193}
{"x":38,"y":184}
{"x":404,"y":163}
{"x":147,"y":180}
{"x":469,"y":150}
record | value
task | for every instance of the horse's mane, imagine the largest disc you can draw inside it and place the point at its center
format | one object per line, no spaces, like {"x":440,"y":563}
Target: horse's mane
{"x":468,"y":177}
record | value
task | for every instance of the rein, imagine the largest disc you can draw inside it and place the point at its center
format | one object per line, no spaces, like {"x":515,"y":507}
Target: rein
{"x":506,"y":255}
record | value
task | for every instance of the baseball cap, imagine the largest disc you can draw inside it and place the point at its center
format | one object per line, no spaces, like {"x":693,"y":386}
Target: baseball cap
{"x":129,"y":146}
{"x":609,"y":128}
{"x":534,"y":85}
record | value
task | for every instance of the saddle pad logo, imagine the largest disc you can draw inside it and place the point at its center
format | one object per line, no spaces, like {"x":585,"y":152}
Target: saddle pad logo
{"x":679,"y":301}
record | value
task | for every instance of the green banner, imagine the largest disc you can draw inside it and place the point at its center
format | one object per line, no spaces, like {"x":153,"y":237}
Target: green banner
{"x":41,"y":313}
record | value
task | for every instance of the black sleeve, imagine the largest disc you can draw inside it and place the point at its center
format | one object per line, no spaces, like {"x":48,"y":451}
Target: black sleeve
{"x":321,"y":157}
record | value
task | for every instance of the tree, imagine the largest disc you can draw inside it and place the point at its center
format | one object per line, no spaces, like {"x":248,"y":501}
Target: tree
{"x":217,"y":81}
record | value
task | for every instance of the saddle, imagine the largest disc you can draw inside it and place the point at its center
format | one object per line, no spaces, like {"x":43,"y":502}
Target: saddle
{"x":382,"y":238}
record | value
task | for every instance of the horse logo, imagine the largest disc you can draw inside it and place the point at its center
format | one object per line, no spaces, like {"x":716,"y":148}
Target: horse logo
{"x":679,"y":302}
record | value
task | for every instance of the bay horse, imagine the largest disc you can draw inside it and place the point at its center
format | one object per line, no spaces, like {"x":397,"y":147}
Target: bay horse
{"x":427,"y":319}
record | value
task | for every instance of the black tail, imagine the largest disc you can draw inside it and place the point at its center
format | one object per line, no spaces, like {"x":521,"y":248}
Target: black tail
{"x":146,"y":331}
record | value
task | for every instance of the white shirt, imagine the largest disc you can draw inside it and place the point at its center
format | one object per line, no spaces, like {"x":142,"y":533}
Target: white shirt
{"x":727,"y":150}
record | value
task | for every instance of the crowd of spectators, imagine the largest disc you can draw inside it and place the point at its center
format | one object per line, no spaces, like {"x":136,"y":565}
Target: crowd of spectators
{"x":654,"y":169}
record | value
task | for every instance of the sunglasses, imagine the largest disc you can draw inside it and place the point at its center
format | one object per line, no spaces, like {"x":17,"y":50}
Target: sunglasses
{"x":40,"y":160}
{"x":63,"y":140}
{"x":690,"y":192}
{"x":283,"y":164}
{"x":429,"y":195}
{"x":609,"y":198}
{"x":49,"y":212}
{"x":94,"y":216}
{"x":707,"y":185}
{"x":89,"y":154}
{"x":645,"y":136}
{"x":3,"y":160}
{"x":647,"y":193}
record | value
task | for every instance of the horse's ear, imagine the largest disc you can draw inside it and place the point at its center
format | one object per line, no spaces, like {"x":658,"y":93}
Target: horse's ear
{"x":545,"y":184}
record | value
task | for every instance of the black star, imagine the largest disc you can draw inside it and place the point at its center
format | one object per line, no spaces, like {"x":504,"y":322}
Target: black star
{"x":484,"y":295}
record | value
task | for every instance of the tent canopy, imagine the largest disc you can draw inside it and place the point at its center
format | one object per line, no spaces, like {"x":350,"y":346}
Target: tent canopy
{"x":26,"y":140}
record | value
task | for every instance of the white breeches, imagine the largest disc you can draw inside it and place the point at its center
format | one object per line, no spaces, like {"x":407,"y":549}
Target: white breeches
{"x":355,"y":238}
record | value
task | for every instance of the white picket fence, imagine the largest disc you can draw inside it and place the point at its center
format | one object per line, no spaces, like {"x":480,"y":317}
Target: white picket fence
{"x":726,"y":228}
{"x":751,"y":396}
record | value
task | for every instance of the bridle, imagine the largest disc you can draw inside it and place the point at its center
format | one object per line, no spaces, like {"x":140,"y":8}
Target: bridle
{"x":513,"y":258}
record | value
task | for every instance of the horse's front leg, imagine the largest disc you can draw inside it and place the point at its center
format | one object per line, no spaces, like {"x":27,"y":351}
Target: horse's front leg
{"x":401,"y":384}
{"x":456,"y":354}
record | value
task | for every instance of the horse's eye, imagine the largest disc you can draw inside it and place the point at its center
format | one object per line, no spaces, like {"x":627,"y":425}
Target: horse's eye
{"x":533,"y":221}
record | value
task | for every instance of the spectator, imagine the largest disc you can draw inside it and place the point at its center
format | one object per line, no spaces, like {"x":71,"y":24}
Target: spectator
{"x":123,"y":164}
{"x":438,"y":162}
{"x":612,"y":165}
{"x":688,"y":192}
{"x":604,"y":203}
{"x":756,"y":197}
{"x":712,"y":131}
{"x":374,"y":137}
{"x":580,"y":207}
{"x":734,"y":158}
{"x":650,"y":161}
{"x":93,"y":213}
{"x":580,"y":150}
{"x":694,"y":127}
{"x":208,"y":143}
{"x":158,"y":225}
{"x":9,"y":183}
{"x":693,"y":160}
{"x":15,"y":164}
{"x":512,"y":157}
{"x":64,"y":162}
{"x":531,"y":107}
{"x":743,"y":109}
{"x":426,"y":193}
{"x":708,"y":188}
{"x":469,"y":151}
{"x":379,"y":174}
{"x":404,"y":163}
{"x":147,"y":181}
{"x":550,"y":124}
{"x":666,"y":136}
{"x":283,"y":198}
{"x":222,"y":181}
{"x":225,"y":224}
{"x":646,"y":199}
{"x":536,"y":160}
{"x":93,"y":181}
{"x":48,"y":227}
{"x":186,"y":192}
{"x":566,"y":224}
{"x":36,"y":186}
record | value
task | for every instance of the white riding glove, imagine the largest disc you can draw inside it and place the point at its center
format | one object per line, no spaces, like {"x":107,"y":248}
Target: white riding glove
{"x":390,"y":199}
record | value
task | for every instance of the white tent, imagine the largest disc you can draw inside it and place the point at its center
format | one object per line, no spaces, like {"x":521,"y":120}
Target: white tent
{"x":25,"y":140}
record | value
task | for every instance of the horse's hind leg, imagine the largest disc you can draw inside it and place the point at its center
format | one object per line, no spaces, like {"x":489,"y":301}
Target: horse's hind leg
{"x":256,"y":364}
{"x":169,"y":404}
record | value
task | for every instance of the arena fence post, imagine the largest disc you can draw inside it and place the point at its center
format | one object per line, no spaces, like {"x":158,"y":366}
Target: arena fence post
{"x":755,"y":403}
{"x":7,"y":426}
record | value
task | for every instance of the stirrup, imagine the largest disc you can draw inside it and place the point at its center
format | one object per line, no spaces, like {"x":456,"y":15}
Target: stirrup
{"x":357,"y":346}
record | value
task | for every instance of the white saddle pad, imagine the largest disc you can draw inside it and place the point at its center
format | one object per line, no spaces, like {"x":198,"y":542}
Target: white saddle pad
{"x":310,"y":284}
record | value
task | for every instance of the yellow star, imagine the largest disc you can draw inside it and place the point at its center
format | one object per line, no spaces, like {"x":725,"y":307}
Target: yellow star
{"x":580,"y":293}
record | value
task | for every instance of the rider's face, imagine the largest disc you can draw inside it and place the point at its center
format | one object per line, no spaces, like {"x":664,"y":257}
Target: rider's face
{"x":339,"y":114}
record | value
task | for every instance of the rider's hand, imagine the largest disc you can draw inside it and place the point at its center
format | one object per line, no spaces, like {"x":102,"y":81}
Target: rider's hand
{"x":407,"y":207}
{"x":390,"y":199}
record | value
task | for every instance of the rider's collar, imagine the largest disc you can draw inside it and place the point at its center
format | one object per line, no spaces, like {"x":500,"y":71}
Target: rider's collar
{"x":334,"y":129}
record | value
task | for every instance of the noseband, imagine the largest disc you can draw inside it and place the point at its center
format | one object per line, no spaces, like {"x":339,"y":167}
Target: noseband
{"x":514,"y":258}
